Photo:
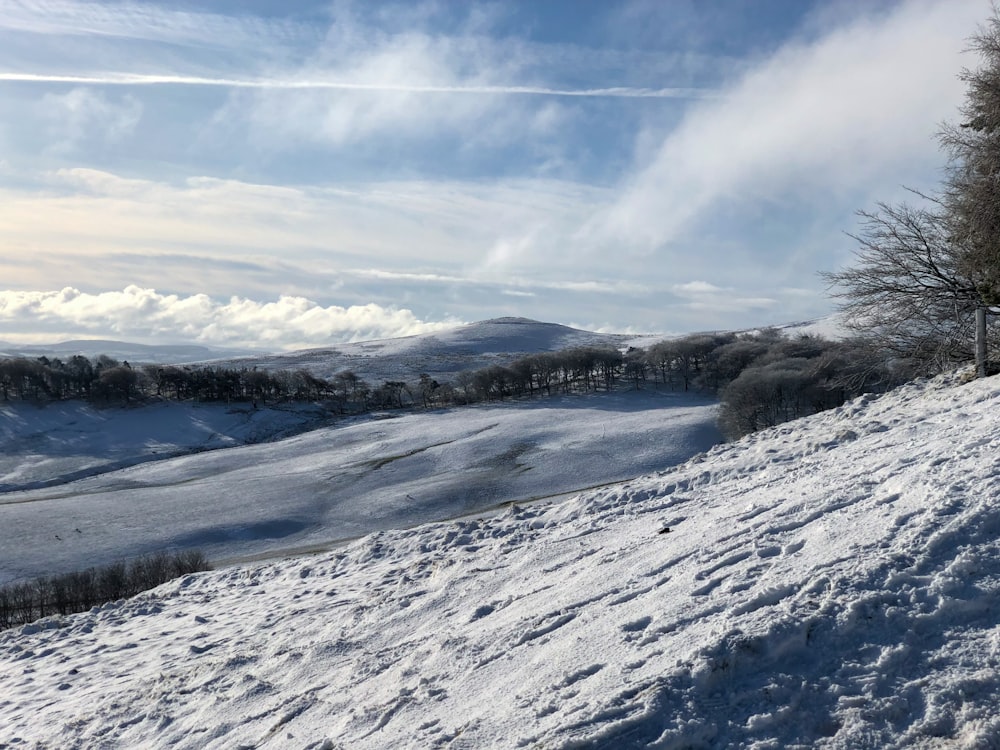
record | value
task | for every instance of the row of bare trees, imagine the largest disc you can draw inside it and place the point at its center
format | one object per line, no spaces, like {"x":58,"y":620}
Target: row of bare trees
{"x":106,"y":380}
{"x":575,"y":370}
{"x":763,"y":378}
{"x":109,"y":381}
{"x":25,"y":602}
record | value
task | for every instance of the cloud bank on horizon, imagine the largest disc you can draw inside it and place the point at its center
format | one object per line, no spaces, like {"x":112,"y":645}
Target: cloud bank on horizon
{"x":136,"y":314}
{"x":253,"y":176}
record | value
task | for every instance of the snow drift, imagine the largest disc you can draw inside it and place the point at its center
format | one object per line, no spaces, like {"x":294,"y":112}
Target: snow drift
{"x":833,"y":582}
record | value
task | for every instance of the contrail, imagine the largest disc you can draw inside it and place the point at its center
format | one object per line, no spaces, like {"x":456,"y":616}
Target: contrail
{"x":134,"y":79}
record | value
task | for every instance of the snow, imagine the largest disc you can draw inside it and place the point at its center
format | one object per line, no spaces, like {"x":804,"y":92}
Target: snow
{"x":834,"y":582}
{"x":58,"y":442}
{"x":444,"y":354}
{"x":833,"y":327}
{"x":327,"y":485}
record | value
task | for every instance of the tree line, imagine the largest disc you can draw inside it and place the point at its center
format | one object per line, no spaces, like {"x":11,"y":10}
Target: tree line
{"x":25,"y":602}
{"x":108,"y":381}
{"x":762,"y":378}
{"x":105,"y":380}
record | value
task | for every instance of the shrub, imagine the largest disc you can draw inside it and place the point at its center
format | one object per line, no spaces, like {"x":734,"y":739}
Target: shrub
{"x":25,"y":602}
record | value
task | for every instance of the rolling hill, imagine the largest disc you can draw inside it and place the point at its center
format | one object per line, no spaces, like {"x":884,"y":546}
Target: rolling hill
{"x":82,"y":485}
{"x":443,"y":354}
{"x":833,"y":582}
{"x":335,"y":482}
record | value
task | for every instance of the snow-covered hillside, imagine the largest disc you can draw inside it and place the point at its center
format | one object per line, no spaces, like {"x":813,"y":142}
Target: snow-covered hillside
{"x":53,"y":444}
{"x":444,"y":354}
{"x":329,"y":484}
{"x":834,"y":582}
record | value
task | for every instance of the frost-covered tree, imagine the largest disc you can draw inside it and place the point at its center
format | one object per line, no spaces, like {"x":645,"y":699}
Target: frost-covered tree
{"x":922,"y":271}
{"x":972,"y":189}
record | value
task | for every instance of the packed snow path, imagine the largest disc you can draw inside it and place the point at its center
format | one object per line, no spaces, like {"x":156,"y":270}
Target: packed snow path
{"x":831,"y":583}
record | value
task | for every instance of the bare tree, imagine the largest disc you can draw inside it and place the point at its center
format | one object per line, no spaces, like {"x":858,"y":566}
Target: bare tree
{"x":925,"y":274}
{"x":907,"y":289}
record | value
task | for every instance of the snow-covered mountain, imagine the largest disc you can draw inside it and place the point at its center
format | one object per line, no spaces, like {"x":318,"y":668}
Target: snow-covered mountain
{"x":443,"y":354}
{"x":834,"y":582}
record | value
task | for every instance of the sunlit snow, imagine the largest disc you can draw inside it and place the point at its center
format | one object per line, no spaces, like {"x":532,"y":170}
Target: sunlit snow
{"x":389,"y":470}
{"x":829,"y":583}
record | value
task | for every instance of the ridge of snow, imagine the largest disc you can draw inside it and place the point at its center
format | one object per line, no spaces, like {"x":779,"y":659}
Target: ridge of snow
{"x":833,"y":582}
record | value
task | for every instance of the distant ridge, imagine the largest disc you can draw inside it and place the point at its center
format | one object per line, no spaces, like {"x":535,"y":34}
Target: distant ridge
{"x":515,"y":320}
{"x":523,"y":335}
{"x":441,"y":354}
{"x":122,"y":350}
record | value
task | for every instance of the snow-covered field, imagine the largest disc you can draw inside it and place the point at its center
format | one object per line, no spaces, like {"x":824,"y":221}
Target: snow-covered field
{"x":325,"y":485}
{"x":56,"y":443}
{"x":834,"y":582}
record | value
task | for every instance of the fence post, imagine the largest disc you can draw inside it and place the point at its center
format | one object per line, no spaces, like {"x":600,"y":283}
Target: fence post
{"x":981,"y":341}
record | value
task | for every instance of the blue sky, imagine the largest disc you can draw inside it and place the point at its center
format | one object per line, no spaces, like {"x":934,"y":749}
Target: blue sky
{"x":284,"y":175}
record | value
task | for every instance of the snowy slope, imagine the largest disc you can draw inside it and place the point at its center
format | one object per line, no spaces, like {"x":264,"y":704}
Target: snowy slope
{"x":329,"y":484}
{"x":68,"y":439}
{"x":58,"y":442}
{"x":833,"y":583}
{"x":832,"y":327}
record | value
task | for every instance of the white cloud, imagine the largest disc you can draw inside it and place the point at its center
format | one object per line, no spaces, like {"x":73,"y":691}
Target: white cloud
{"x":507,"y":285}
{"x":415,"y":82}
{"x":585,"y":286}
{"x":351,"y":42}
{"x":830,"y":116}
{"x":731,"y":304}
{"x":146,"y":22}
{"x":444,"y":230}
{"x":694,"y":288}
{"x":388,"y":87}
{"x":144,"y":314}
{"x":372,"y":75}
{"x":703,"y":297}
{"x":383,"y":275}
{"x":83,"y":114}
